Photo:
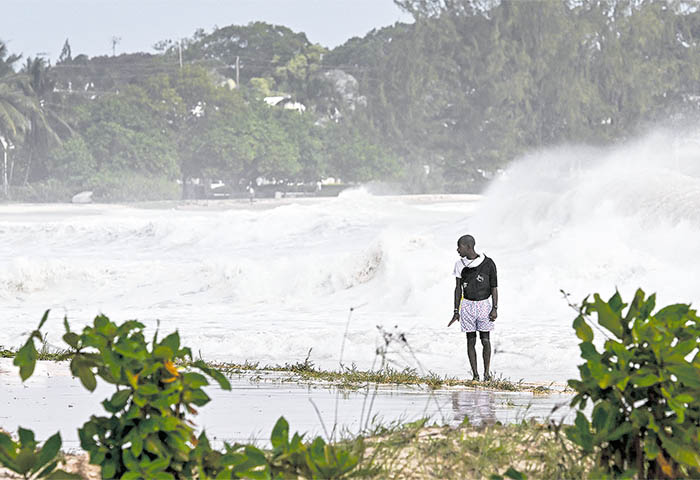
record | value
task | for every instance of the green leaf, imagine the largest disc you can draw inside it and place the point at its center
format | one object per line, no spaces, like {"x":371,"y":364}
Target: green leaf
{"x":600,"y":416}
{"x":119,"y":399}
{"x":194,"y":380}
{"x":87,"y":378}
{"x":580,"y":433}
{"x":163,"y":476}
{"x":156,"y":465}
{"x":147,"y":389}
{"x":148,"y":425}
{"x":48,"y":452}
{"x":589,"y":352}
{"x":514,"y":474}
{"x":172,"y":341}
{"x":136,"y":444}
{"x":685,"y":398}
{"x":163,"y":352}
{"x":254,"y":466}
{"x":622,"y":384}
{"x":682,"y":453}
{"x":280,"y":434}
{"x":101,"y":324}
{"x":646,"y":309}
{"x":685,"y":347}
{"x":25,"y":461}
{"x":6,"y":442}
{"x":168,"y":424}
{"x":43,"y":319}
{"x":109,"y":468}
{"x":686,"y":374}
{"x":198,"y":397}
{"x":71,"y":339}
{"x":47,"y":470}
{"x":645,"y":380}
{"x":63,"y":475}
{"x":607,"y":317}
{"x":620,"y":350}
{"x":25,"y":359}
{"x":132,"y":476}
{"x":616,"y":303}
{"x":651,"y":448}
{"x":219,"y":377}
{"x":672,"y":312}
{"x":624,"y":429}
{"x":583,"y":331}
{"x":26,"y":438}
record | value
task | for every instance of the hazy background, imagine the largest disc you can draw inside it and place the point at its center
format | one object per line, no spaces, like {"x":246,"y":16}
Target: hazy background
{"x":552,"y":111}
{"x":90,"y":25}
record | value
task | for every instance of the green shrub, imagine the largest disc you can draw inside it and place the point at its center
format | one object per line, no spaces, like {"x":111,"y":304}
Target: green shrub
{"x":72,"y":162}
{"x":149,"y":433}
{"x":126,"y":186}
{"x":293,"y":458}
{"x":51,"y":190}
{"x":24,"y":458}
{"x":644,"y":386}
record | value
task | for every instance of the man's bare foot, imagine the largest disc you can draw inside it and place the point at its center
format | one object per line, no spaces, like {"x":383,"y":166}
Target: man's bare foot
{"x":487,"y":377}
{"x":475,"y":378}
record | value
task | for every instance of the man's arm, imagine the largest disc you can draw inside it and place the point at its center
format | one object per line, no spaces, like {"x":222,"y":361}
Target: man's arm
{"x":494,"y":304}
{"x":458,"y":299}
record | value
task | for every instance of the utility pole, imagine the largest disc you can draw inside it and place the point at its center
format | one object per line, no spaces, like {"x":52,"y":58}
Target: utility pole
{"x":115,"y":41}
{"x":179,"y":47}
{"x":4,"y":169}
{"x":237,"y":68}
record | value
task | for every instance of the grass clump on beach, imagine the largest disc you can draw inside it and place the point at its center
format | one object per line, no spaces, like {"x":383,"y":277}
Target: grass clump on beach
{"x":353,"y":378}
{"x":348,"y":377}
{"x":44,"y":353}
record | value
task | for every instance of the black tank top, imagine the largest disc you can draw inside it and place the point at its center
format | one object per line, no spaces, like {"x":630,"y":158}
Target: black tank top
{"x":476,"y":281}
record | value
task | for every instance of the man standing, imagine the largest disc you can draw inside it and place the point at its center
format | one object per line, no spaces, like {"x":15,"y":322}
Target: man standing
{"x":476,"y":283}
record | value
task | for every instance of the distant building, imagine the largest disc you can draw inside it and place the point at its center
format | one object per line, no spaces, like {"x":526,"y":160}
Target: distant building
{"x":285,"y":101}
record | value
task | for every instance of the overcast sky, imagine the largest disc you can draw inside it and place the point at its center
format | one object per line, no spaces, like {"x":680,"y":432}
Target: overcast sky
{"x":41,"y":26}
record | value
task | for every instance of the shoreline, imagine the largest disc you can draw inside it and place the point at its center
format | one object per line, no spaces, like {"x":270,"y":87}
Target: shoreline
{"x":245,"y":204}
{"x":352,"y":378}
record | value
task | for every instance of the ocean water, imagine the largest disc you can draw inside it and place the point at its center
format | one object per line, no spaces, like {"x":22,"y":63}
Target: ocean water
{"x":269,"y":284}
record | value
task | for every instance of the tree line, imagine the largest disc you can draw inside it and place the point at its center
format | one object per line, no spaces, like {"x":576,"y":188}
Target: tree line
{"x":439,"y":104}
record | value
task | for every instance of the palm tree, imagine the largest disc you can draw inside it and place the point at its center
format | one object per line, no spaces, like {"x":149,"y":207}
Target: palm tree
{"x":6,"y":60}
{"x":14,"y":105}
{"x":47,"y":127}
{"x":24,"y":120}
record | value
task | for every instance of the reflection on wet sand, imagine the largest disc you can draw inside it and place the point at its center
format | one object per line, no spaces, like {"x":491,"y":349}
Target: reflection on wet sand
{"x":477,"y":406}
{"x":487,"y":407}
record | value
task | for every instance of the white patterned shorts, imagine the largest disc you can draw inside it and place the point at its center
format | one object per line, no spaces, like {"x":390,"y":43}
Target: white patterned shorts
{"x":474,"y":315}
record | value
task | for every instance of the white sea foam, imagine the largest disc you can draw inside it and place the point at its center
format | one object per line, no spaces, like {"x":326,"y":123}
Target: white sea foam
{"x":269,"y":284}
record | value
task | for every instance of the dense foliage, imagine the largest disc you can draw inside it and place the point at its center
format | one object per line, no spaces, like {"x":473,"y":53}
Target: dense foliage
{"x":149,"y":432}
{"x":472,"y":84}
{"x":25,"y":458}
{"x":442,"y":103}
{"x":644,"y":386}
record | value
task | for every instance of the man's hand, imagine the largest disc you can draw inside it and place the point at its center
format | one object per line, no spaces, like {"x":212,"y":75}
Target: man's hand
{"x":455,"y":317}
{"x":493,"y":315}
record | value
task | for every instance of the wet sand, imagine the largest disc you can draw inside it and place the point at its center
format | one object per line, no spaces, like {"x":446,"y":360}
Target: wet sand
{"x":53,"y":400}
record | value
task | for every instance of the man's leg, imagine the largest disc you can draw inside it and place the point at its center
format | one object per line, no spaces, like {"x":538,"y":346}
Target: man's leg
{"x":486,"y":344}
{"x":471,"y":353}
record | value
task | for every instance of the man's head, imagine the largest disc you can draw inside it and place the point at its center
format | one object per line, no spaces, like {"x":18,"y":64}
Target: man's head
{"x":465,"y":245}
